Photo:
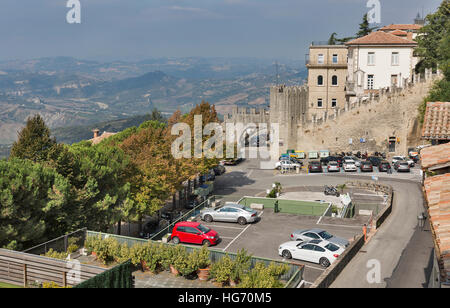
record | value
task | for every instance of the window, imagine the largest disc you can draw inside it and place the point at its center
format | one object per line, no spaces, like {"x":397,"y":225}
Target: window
{"x":320,"y":80}
{"x":335,"y":58}
{"x":203,"y":228}
{"x":334,"y":80}
{"x":191,"y":230}
{"x":371,"y":58}
{"x":370,"y":79}
{"x":320,"y":249}
{"x":333,"y":103}
{"x":312,"y":235}
{"x":319,"y":103}
{"x":308,"y":247}
{"x":320,"y":59}
{"x":395,"y":58}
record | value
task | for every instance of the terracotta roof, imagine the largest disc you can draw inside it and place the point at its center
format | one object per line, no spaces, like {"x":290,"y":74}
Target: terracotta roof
{"x":102,"y":137}
{"x":380,"y":38}
{"x":399,"y":33}
{"x":437,"y":121}
{"x":401,"y":27}
{"x":435,"y":155}
{"x":437,"y":190}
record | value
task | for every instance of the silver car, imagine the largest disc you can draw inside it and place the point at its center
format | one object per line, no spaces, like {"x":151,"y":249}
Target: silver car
{"x":402,"y":166}
{"x":230,"y":213}
{"x":318,"y":234}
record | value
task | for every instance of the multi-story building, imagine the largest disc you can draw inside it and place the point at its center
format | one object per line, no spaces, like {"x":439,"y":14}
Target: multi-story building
{"x":379,"y":60}
{"x":327,"y":74}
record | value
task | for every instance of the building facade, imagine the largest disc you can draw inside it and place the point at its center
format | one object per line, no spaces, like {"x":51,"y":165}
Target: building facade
{"x":378,"y":61}
{"x":327,"y":74}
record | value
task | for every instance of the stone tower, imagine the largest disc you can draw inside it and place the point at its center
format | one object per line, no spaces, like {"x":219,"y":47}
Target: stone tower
{"x":288,"y":108}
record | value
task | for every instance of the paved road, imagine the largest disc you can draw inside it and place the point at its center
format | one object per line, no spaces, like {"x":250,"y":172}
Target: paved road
{"x":402,"y":251}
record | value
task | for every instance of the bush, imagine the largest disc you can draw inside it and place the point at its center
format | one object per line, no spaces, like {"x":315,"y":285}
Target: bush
{"x":55,"y":254}
{"x":200,"y":258}
{"x":263,"y":277}
{"x":222,"y":270}
{"x":241,"y":265}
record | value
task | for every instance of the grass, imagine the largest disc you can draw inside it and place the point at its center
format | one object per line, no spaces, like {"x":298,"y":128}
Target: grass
{"x":4,"y":285}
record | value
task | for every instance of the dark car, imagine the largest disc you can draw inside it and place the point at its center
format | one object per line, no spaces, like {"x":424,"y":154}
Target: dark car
{"x":219,"y":170}
{"x":324,"y":160}
{"x":336,"y":159}
{"x":384,"y":166}
{"x":375,"y":160}
{"x":315,"y":166}
{"x":366,"y":166}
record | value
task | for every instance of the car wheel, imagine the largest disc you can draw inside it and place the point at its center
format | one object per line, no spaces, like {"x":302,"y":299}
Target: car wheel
{"x":286,"y":254}
{"x":324,"y":262}
{"x":208,"y":218}
{"x":206,"y":243}
{"x":242,"y":221}
{"x":176,"y":240}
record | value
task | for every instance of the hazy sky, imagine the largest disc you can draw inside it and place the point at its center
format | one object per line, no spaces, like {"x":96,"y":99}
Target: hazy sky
{"x":137,"y":29}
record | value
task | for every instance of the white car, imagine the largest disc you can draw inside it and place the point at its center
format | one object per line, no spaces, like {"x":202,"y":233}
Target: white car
{"x":315,"y":251}
{"x":349,"y":165}
{"x":286,"y":164}
{"x":402,"y":158}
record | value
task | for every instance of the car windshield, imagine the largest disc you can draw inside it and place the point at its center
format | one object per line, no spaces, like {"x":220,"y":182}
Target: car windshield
{"x":203,"y":228}
{"x":332,"y":247}
{"x":325,"y":235}
{"x":247,"y":209}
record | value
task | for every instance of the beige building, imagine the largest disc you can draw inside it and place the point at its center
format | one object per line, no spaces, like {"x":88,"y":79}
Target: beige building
{"x":327,"y":73}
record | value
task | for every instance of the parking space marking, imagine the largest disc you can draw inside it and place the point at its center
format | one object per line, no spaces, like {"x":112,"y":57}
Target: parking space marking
{"x":242,"y":232}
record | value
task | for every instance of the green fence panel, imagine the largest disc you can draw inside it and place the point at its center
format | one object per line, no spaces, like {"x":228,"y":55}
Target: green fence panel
{"x":289,"y":206}
{"x":119,"y":277}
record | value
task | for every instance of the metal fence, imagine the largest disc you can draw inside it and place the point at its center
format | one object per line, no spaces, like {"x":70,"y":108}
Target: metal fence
{"x":159,"y":234}
{"x":60,"y":244}
{"x":292,"y":278}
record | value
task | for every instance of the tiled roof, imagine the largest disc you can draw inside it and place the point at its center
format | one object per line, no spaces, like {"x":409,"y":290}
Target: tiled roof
{"x":437,"y":190}
{"x":435,"y":155}
{"x":399,"y":33}
{"x":102,"y":137}
{"x":381,"y":38}
{"x":437,"y":121}
{"x":401,"y":27}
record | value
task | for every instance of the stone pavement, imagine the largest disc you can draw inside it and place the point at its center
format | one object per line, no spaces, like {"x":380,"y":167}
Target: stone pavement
{"x":167,"y":280}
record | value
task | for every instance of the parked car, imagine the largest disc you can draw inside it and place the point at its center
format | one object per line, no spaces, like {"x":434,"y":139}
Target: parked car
{"x":349,"y":165}
{"x":336,"y":159}
{"x":230,"y":213}
{"x":316,"y":251}
{"x":232,"y":162}
{"x":357,"y":161}
{"x":366,"y":166}
{"x":375,"y":160}
{"x":384,"y":166}
{"x":324,"y":160}
{"x":396,"y":159}
{"x":219,"y":170}
{"x":333,"y":166}
{"x":318,"y":234}
{"x":194,"y":233}
{"x":286,"y":164}
{"x":402,"y":166}
{"x":315,"y":166}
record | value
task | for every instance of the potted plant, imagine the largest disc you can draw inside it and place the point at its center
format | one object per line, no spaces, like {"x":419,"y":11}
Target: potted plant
{"x":202,"y":263}
{"x":221,"y":270}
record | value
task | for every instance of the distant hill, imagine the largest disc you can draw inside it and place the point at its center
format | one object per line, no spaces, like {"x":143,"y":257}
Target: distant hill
{"x":69,"y":92}
{"x":69,"y":135}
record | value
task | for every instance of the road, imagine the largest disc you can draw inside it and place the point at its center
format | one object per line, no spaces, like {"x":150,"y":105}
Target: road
{"x":402,"y":251}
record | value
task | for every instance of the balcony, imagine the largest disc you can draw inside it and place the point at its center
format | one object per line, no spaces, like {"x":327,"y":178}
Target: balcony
{"x":327,"y":63}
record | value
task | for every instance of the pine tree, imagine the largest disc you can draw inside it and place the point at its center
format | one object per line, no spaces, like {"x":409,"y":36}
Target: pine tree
{"x":34,"y":142}
{"x":364,"y":27}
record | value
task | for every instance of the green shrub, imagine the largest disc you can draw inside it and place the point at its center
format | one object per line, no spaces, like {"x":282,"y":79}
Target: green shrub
{"x":55,"y":254}
{"x":262,"y":277}
{"x":222,"y":270}
{"x":241,"y":265}
{"x":200,"y":258}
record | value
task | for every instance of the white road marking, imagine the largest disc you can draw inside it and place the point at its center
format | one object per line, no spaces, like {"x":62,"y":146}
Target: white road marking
{"x":240,"y":234}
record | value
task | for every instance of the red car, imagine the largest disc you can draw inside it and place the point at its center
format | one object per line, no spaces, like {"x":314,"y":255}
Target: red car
{"x":194,"y":233}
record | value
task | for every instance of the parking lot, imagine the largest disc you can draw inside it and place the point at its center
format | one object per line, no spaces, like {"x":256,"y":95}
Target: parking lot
{"x":263,"y":238}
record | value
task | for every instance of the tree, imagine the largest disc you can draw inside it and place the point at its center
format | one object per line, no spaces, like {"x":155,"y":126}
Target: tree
{"x":332,"y":39}
{"x":34,"y":142}
{"x":364,"y":27}
{"x":431,"y":36}
{"x":33,"y":203}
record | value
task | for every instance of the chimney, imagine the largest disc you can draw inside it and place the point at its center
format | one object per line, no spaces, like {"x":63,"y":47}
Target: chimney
{"x":96,"y":131}
{"x":410,"y":36}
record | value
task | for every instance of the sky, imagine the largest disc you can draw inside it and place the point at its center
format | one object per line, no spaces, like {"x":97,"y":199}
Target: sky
{"x":139,"y":29}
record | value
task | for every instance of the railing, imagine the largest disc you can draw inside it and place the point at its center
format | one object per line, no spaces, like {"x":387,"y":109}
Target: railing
{"x":194,"y":212}
{"x":59,"y":244}
{"x":292,"y":277}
